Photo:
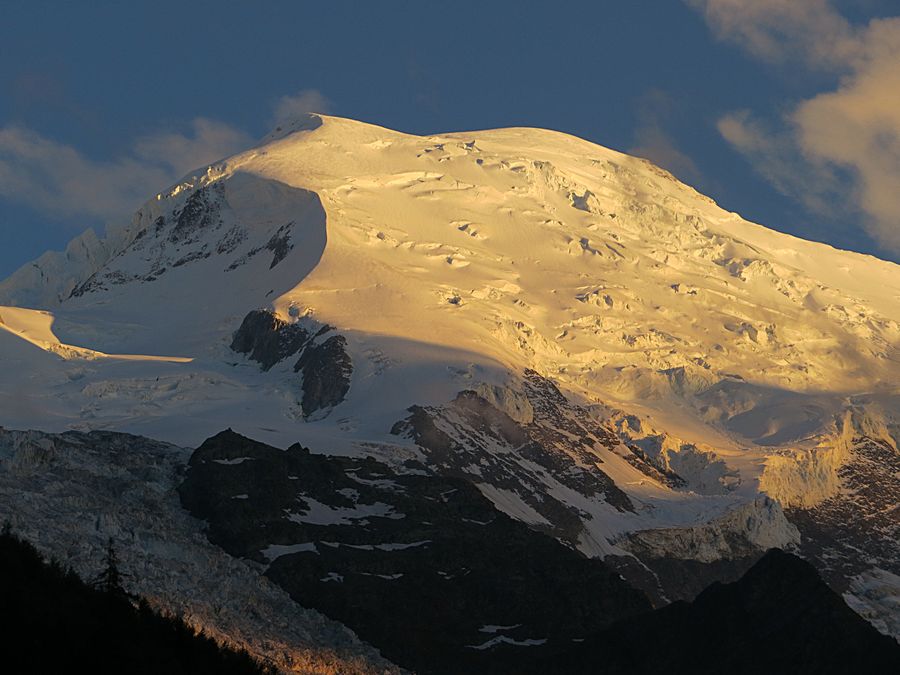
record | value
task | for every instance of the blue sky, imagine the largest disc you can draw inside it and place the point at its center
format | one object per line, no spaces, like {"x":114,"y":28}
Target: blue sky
{"x":102,"y":104}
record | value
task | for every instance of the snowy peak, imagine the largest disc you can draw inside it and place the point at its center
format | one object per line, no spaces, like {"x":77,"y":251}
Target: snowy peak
{"x":596,"y":346}
{"x":508,"y":250}
{"x":594,"y":242}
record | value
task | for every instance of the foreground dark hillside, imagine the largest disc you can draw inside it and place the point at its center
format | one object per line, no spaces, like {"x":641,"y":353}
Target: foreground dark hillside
{"x":780,"y":617}
{"x":51,"y":621}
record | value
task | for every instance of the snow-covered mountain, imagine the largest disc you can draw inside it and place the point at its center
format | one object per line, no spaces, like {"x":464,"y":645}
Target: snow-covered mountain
{"x":607,"y":354}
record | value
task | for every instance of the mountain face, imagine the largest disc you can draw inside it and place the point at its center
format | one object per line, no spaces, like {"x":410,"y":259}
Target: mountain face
{"x":605,"y":354}
{"x":422,"y":566}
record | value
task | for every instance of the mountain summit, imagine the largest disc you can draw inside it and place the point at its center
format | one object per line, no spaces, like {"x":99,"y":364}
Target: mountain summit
{"x":607,"y":354}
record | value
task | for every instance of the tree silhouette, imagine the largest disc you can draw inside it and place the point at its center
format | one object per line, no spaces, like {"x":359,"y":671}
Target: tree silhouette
{"x":52,"y":622}
{"x":110,"y":579}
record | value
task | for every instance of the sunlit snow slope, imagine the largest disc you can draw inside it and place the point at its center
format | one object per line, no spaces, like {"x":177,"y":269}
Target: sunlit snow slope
{"x":725,"y":357}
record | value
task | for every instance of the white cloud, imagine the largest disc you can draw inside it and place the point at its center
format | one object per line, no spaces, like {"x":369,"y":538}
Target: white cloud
{"x":781,"y":30}
{"x":776,"y":156}
{"x":210,"y":140}
{"x":57,"y":179}
{"x":857,"y":127}
{"x":854,"y":129}
{"x":288,"y":108}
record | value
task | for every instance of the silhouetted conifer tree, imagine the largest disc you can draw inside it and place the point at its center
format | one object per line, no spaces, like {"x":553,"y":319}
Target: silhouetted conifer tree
{"x":110,"y":579}
{"x":51,"y":622}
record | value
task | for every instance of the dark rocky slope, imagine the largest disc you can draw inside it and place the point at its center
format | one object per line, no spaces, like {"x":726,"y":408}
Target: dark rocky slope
{"x":780,"y":617}
{"x":427,"y":570}
{"x":423,"y":567}
{"x":859,"y":527}
{"x":541,"y":445}
{"x":323,"y":363}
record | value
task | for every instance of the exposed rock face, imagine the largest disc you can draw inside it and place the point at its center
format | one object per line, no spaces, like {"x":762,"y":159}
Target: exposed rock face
{"x":326,"y":369}
{"x":857,"y":531}
{"x":196,"y":221}
{"x":512,"y":402}
{"x":850,"y":537}
{"x":279,"y":245}
{"x":324,"y":363}
{"x":172,"y":240}
{"x":524,"y":464}
{"x":199,"y":212}
{"x":70,"y":493}
{"x":779,"y":617}
{"x":266,"y":339}
{"x":422,"y":566}
{"x":535,"y":469}
{"x":526,"y":467}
